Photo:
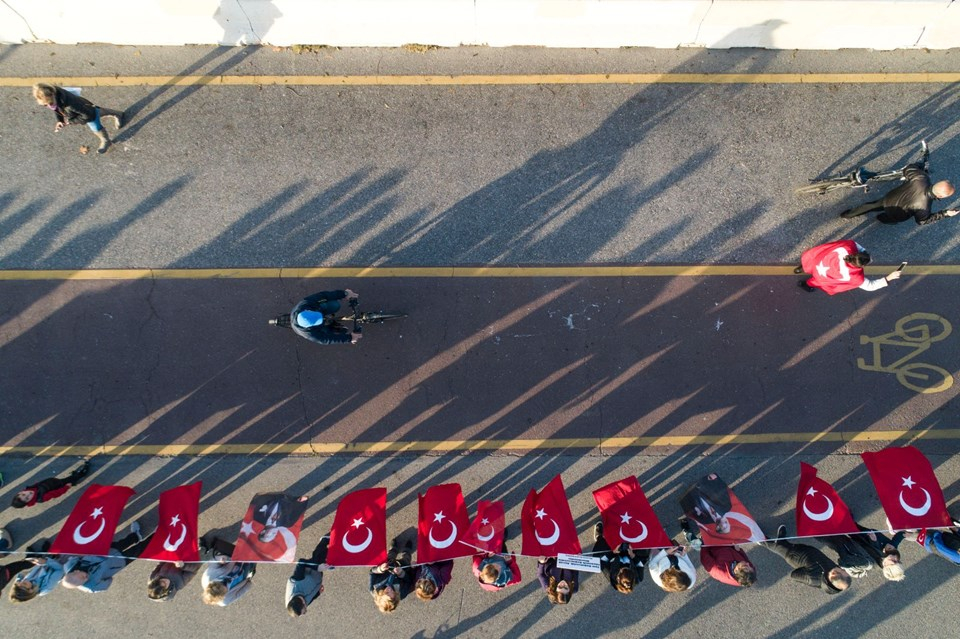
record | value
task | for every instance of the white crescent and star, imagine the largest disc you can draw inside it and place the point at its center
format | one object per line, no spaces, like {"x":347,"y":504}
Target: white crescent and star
{"x":823,"y":269}
{"x":172,"y":547}
{"x":80,"y":538}
{"x":357,"y":548}
{"x":821,"y":516}
{"x":552,"y":539}
{"x":625,"y":519}
{"x":443,"y":543}
{"x":916,"y":512}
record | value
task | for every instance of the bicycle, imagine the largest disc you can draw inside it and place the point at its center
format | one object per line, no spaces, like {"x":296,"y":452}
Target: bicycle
{"x":358,"y":318}
{"x":859,"y":179}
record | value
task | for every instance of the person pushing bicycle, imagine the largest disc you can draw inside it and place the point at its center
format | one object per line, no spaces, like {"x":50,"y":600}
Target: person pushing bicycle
{"x":314,"y":318}
{"x":912,"y":199}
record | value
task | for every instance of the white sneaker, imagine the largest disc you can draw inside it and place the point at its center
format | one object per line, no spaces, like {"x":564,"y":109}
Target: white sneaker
{"x":135,"y":529}
{"x":5,"y":538}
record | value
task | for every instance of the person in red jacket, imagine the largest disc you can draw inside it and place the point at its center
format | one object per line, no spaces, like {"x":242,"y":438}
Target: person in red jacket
{"x":836,"y":267}
{"x":728,"y":565}
{"x":496,"y":571}
{"x":49,"y":488}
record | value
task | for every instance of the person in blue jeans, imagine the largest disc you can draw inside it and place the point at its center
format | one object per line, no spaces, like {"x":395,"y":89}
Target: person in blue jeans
{"x":70,"y":108}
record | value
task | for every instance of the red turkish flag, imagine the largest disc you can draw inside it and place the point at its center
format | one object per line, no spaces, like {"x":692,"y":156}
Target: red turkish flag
{"x":89,"y":528}
{"x":908,"y":490}
{"x":176,"y":536}
{"x":828,"y":270}
{"x":820,"y":511}
{"x":270,"y":529}
{"x":487,"y":530}
{"x":547,"y":524}
{"x":627,"y":516}
{"x":359,"y":533}
{"x":443,"y":521}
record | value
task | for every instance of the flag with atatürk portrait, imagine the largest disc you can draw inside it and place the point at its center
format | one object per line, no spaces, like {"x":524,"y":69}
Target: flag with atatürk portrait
{"x":270,"y":529}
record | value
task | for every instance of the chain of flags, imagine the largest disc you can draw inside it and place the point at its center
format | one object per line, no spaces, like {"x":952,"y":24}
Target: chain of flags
{"x":903,"y":477}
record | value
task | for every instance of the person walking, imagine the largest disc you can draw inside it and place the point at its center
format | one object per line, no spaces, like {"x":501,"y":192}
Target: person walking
{"x":169,"y":577}
{"x":7,"y":571}
{"x":71,"y":108}
{"x":836,"y":267}
{"x":883,"y":550}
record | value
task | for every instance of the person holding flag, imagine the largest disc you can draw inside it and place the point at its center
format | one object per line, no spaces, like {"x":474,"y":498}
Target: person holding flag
{"x":169,"y":577}
{"x":224,"y":581}
{"x":392,"y":580}
{"x":850,"y":555}
{"x":306,"y":582}
{"x":496,"y":571}
{"x":558,"y":583}
{"x":883,"y":550}
{"x":432,"y":579}
{"x":672,"y":570}
{"x":945,"y":543}
{"x":39,"y":580}
{"x":836,"y":267}
{"x":624,"y":568}
{"x":810,"y":566}
{"x":92,"y":573}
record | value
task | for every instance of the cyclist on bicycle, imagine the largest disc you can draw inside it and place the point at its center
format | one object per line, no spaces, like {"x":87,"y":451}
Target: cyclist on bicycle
{"x":912,"y":199}
{"x":314,"y":318}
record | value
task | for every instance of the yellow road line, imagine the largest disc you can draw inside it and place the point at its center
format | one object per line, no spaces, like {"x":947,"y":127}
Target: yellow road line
{"x":499,"y":79}
{"x":336,"y":272}
{"x":506,"y":445}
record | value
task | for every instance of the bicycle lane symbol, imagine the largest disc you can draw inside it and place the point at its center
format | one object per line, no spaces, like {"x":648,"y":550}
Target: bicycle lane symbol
{"x":915,"y":332}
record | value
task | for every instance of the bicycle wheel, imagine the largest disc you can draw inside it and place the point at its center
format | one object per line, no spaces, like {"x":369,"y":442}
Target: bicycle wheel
{"x":934,"y":380}
{"x":378,"y":317}
{"x":923,"y":327}
{"x":830,"y":184}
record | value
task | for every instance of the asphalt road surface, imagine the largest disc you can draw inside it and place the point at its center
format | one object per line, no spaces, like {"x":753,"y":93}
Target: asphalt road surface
{"x":136,"y":287}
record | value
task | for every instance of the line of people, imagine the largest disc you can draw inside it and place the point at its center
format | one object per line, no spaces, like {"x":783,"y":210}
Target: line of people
{"x":224,"y":581}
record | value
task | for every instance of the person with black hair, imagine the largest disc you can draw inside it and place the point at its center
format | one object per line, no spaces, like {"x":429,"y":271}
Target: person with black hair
{"x":50,"y":488}
{"x":306,"y":582}
{"x":836,"y":267}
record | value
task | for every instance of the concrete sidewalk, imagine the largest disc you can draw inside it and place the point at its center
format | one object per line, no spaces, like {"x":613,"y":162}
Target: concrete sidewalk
{"x":776,"y":607}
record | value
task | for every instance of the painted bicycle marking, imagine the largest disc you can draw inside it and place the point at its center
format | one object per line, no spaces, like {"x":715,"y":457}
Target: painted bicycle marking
{"x":915,"y":332}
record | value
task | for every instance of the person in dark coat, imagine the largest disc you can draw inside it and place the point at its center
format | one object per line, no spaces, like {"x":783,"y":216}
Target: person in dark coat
{"x":558,"y":583}
{"x":912,"y":199}
{"x":314,"y":318}
{"x":306,"y":582}
{"x":49,"y":488}
{"x":392,"y":580}
{"x":623,"y":568}
{"x":883,"y":550}
{"x":432,"y":579}
{"x":70,"y":108}
{"x":850,"y":555}
{"x":169,"y":577}
{"x":811,"y":566}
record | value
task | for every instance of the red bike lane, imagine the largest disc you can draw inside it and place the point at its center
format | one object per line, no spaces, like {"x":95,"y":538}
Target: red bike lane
{"x":481,"y":363}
